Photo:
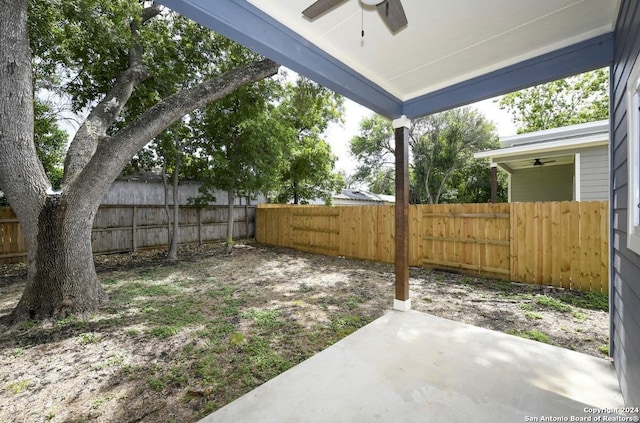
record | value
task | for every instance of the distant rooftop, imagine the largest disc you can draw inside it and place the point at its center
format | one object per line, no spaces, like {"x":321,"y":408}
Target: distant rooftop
{"x":584,"y":131}
{"x":360,"y":195}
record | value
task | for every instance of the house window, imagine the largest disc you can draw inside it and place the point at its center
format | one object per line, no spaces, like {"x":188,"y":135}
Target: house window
{"x":633,"y":158}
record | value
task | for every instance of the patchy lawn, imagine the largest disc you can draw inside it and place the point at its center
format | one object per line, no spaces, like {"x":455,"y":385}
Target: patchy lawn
{"x":177,"y":342}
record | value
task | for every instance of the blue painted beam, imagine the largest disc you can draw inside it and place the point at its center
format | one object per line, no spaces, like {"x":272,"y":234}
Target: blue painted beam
{"x":249,"y":26}
{"x":581,"y":57}
{"x":244,"y":23}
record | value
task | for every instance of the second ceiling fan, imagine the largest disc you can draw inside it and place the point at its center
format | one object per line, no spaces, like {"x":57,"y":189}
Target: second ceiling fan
{"x":391,"y":11}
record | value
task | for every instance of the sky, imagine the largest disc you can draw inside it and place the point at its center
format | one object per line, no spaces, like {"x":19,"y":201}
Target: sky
{"x":339,"y":135}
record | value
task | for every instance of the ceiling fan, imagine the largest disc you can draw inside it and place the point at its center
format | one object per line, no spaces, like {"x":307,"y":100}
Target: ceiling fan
{"x":539,"y":162}
{"x":391,"y":11}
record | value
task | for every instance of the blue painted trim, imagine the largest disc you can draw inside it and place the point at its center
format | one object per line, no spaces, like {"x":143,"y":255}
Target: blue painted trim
{"x":249,"y":26}
{"x":246,"y":24}
{"x":581,"y":57}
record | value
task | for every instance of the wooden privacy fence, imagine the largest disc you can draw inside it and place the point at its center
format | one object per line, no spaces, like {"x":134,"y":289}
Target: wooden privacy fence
{"x":13,"y":246}
{"x":121,"y":228}
{"x":563,"y":244}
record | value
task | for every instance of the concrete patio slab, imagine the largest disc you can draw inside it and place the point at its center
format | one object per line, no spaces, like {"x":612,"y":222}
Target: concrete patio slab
{"x":414,"y":367}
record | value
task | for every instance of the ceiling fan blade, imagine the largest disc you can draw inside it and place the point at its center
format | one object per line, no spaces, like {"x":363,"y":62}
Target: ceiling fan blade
{"x":392,"y":13}
{"x":320,"y":7}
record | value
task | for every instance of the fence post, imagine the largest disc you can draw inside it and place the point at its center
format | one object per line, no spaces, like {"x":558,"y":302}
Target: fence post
{"x":134,"y":224}
{"x":246,"y":221}
{"x":199,"y":217}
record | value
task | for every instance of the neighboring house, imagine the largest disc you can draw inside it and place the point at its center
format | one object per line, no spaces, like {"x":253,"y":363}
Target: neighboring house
{"x":561,"y":164}
{"x":354,"y":197}
{"x":148,"y":189}
{"x":350,"y":197}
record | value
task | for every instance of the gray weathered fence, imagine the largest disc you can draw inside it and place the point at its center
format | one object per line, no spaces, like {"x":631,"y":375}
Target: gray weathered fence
{"x":121,"y":228}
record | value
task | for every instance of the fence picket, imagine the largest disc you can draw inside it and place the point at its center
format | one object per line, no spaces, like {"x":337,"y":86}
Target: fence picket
{"x":541,"y":243}
{"x":120,"y":228}
{"x":561,"y":244}
{"x":555,"y":248}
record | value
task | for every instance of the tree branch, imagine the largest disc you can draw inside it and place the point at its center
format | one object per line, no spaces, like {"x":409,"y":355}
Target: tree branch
{"x":150,"y":12}
{"x":111,"y":157}
{"x":103,"y":115}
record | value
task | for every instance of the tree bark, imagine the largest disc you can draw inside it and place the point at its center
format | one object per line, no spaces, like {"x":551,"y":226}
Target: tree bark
{"x":172,"y":254}
{"x":65,"y":280}
{"x":61,"y":274}
{"x":167,"y":212}
{"x":228,"y":246}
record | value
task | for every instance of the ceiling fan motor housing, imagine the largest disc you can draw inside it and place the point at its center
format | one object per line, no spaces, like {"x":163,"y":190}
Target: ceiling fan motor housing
{"x":391,"y":11}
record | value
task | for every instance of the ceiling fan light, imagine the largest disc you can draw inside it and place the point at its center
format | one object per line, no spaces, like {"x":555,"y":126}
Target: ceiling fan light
{"x":371,"y":2}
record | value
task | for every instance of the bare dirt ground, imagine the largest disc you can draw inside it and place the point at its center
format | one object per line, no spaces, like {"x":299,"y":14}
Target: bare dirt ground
{"x":177,"y":342}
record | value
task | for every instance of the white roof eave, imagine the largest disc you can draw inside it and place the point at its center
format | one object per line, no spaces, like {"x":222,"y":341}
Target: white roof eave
{"x":543,"y":147}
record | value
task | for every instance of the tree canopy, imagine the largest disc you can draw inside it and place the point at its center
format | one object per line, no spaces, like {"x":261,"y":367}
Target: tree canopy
{"x":577,"y":99}
{"x":238,"y":144}
{"x":308,"y":168}
{"x":442,"y":167}
{"x":50,"y":142}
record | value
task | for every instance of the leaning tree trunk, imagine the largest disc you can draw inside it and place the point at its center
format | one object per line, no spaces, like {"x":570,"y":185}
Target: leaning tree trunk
{"x":61,"y":274}
{"x":228,"y":246}
{"x":63,"y":279}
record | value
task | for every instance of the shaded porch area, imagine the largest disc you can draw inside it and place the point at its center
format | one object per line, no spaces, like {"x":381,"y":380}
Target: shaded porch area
{"x":415,"y":367}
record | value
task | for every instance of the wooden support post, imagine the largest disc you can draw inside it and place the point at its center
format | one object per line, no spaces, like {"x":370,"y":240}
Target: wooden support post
{"x":402,"y":301}
{"x":494,"y":183}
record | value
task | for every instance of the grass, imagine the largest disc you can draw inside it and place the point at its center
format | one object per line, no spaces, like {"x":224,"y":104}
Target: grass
{"x":532,"y":315}
{"x":18,"y":386}
{"x":203,"y":337}
{"x":115,"y":360}
{"x":579,"y":316}
{"x":552,"y":303}
{"x":590,"y":300}
{"x":89,"y":338}
{"x":269,"y":319}
{"x":527,"y":307}
{"x":543,"y":302}
{"x":535,"y":335}
{"x":233,"y":339}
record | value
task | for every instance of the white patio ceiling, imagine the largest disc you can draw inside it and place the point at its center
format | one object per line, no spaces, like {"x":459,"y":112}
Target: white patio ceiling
{"x":445,"y":42}
{"x":451,"y":52}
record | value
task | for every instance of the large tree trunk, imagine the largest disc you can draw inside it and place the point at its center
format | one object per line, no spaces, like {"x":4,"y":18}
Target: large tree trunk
{"x":64,"y":280}
{"x":57,"y":226}
{"x":228,"y":246}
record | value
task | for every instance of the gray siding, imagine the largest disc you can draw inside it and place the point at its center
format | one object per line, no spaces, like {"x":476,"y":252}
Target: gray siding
{"x":545,"y":183}
{"x":625,"y":289}
{"x":594,"y":174}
